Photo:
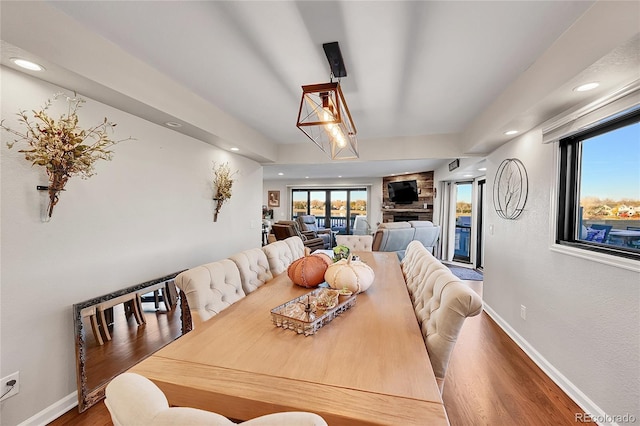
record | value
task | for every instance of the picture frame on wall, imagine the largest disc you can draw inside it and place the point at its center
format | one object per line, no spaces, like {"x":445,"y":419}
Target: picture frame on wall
{"x":273,"y":198}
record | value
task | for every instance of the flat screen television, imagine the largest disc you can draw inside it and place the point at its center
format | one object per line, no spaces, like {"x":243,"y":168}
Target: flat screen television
{"x":403,"y":192}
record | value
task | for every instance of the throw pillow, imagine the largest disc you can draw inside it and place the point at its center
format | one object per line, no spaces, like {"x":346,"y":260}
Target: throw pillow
{"x":595,"y":235}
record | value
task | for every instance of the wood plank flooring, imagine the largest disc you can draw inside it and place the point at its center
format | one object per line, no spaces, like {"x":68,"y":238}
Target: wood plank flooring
{"x":490,"y":381}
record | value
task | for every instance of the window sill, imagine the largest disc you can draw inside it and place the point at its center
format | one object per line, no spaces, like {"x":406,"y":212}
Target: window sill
{"x":607,"y":259}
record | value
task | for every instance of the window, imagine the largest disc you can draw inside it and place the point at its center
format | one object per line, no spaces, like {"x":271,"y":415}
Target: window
{"x":333,"y":208}
{"x":599,"y":191}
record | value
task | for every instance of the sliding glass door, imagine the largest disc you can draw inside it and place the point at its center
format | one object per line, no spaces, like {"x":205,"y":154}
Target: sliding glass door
{"x":333,"y":208}
{"x":481,"y":197}
{"x":318,"y":206}
{"x":299,"y":203}
{"x":464,"y":206}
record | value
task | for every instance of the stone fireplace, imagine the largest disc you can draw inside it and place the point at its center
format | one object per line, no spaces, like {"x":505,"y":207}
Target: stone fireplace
{"x":418,"y":210}
{"x":405,"y":217}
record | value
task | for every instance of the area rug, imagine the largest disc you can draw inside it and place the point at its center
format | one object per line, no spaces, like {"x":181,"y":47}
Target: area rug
{"x":466,"y":273}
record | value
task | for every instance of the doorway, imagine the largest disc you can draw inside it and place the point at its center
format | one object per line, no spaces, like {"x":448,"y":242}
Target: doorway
{"x":481,"y":206}
{"x":463,"y":222}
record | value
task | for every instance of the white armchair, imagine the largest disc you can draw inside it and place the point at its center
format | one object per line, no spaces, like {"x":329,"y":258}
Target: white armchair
{"x":134,"y":400}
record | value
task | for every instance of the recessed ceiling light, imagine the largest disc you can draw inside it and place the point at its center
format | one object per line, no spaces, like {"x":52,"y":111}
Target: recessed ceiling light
{"x":586,"y":86}
{"x":467,"y":175}
{"x":173,"y":124}
{"x":280,"y":174}
{"x":510,"y":132}
{"x":23,"y":63}
{"x":306,"y":177}
{"x":235,"y":149}
{"x":482,"y":169}
{"x":339,"y":176}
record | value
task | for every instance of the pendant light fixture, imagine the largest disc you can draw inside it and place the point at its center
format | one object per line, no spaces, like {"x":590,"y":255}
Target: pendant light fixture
{"x":324,"y":115}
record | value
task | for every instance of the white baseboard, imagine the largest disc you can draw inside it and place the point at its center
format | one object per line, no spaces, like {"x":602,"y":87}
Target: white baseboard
{"x":53,"y":411}
{"x":558,"y":378}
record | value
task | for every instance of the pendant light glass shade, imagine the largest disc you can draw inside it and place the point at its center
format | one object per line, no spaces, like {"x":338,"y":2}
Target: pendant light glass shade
{"x":324,"y":117}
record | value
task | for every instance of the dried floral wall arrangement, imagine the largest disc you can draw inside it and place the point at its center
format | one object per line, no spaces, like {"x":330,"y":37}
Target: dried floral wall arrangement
{"x":61,"y":146}
{"x":222,"y":183}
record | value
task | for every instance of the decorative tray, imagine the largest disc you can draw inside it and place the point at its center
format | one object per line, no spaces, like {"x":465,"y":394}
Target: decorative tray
{"x":307,"y":313}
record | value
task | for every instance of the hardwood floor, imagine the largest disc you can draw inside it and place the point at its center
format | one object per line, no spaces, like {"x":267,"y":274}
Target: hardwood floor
{"x":490,"y":381}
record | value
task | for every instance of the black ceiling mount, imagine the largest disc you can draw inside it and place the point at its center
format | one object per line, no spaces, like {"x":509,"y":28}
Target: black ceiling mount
{"x":332,"y":50}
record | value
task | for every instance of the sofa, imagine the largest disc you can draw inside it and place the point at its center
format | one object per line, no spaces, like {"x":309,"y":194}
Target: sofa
{"x":396,"y":236}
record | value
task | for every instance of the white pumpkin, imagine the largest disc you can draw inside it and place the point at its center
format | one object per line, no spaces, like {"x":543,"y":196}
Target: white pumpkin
{"x":354,"y":275}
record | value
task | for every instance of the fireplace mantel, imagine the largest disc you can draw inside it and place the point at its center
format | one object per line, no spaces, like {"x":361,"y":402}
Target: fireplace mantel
{"x":389,"y":215}
{"x":396,"y":210}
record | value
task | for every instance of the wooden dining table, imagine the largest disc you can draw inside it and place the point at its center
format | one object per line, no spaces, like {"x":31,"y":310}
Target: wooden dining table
{"x":368,"y":366}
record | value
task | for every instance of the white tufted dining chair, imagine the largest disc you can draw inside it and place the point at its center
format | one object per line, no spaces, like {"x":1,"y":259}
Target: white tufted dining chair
{"x":254,"y":268}
{"x":279,"y":256}
{"x":423,"y":292}
{"x":441,"y":316}
{"x":355,"y":242}
{"x":296,"y":245}
{"x":421,"y":277}
{"x":134,"y":400}
{"x":210,"y":288}
{"x":415,"y":250}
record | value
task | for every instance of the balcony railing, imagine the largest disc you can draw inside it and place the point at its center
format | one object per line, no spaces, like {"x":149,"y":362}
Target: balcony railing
{"x":462,"y":238}
{"x":338,"y":223}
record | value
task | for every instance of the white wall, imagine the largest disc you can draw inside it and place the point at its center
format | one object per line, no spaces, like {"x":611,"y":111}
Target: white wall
{"x":146,"y":213}
{"x":582,"y":316}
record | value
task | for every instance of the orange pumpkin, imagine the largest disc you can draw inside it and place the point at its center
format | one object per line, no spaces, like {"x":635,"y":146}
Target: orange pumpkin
{"x":308,"y":271}
{"x":328,"y":260}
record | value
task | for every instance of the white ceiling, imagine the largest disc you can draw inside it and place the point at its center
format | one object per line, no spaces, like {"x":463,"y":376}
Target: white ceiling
{"x":416,"y":69}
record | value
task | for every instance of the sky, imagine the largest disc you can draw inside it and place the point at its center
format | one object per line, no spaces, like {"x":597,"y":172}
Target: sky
{"x":464,"y":193}
{"x":611,"y":165}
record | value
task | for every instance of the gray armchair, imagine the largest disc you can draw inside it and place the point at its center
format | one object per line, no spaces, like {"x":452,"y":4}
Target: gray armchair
{"x":307,"y":223}
{"x":361,"y":226}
